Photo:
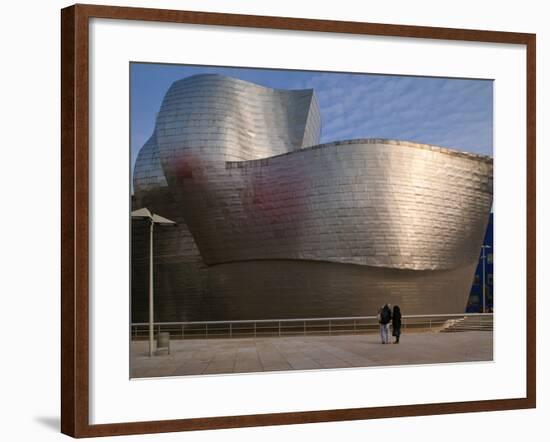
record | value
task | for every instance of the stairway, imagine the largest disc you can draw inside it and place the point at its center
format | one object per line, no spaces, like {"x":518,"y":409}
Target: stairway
{"x":468,"y":323}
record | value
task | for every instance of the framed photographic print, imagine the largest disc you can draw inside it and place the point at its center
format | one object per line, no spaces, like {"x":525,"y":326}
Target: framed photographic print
{"x":290,"y":214}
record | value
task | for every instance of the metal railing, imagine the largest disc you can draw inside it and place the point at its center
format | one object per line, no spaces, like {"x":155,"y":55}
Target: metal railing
{"x":301,"y":326}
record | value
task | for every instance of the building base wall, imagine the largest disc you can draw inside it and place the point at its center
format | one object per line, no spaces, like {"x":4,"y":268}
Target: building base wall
{"x":281,"y":289}
{"x":308,"y":289}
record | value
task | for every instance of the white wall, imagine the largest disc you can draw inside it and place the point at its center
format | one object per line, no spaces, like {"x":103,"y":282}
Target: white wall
{"x":29,"y":218}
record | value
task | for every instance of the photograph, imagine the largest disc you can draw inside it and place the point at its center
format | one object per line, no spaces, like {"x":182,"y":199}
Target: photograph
{"x":285,"y":220}
{"x":270,"y":220}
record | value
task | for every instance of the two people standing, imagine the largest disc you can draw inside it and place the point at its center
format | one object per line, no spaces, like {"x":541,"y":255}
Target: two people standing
{"x":387,"y":317}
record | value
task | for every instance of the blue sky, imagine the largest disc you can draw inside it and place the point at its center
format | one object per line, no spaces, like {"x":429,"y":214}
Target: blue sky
{"x":455,"y":113}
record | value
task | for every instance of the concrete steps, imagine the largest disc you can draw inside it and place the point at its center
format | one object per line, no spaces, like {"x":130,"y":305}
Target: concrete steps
{"x":468,"y":323}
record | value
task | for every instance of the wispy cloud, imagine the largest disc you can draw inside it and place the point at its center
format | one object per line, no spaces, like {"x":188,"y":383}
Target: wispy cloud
{"x":447,"y":112}
{"x":453,"y":113}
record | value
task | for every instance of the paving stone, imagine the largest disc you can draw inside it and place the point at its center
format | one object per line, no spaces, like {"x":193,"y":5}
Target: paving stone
{"x":249,"y":355}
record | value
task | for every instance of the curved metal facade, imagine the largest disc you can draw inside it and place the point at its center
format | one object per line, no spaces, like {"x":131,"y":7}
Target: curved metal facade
{"x":272,"y":224}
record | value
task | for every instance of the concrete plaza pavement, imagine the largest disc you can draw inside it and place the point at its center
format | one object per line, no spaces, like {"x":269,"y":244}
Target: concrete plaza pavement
{"x":244,"y":355}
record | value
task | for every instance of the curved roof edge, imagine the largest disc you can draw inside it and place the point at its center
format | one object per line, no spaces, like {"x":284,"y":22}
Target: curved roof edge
{"x":240,"y":81}
{"x":388,"y":141}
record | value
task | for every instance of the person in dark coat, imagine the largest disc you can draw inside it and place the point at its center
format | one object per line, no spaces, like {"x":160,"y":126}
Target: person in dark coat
{"x":384,"y":319}
{"x":396,"y":323}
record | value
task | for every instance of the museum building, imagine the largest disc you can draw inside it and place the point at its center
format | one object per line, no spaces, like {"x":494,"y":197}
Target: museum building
{"x":271,"y":224}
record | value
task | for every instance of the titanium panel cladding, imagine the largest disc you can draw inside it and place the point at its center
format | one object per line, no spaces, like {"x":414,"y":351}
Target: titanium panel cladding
{"x":272,"y":224}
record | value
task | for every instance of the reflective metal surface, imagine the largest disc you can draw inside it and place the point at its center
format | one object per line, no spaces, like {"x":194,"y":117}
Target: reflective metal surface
{"x":271,"y":224}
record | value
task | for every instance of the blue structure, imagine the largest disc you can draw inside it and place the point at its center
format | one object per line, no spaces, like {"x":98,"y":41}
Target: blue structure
{"x":475,"y":302}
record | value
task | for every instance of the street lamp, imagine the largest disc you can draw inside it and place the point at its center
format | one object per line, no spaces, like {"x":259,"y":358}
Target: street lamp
{"x":153,"y":219}
{"x":483,"y":259}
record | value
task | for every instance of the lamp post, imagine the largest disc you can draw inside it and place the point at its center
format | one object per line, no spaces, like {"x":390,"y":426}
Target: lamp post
{"x":153,"y":219}
{"x":483,"y":259}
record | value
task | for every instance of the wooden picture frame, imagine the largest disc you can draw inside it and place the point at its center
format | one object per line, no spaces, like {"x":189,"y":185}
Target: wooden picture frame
{"x":75,"y":379}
